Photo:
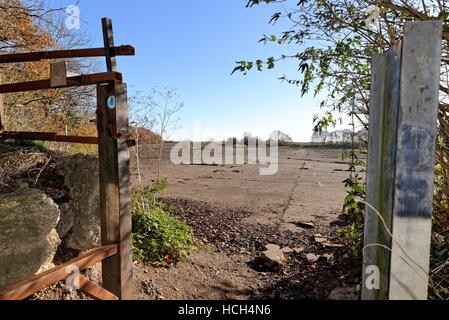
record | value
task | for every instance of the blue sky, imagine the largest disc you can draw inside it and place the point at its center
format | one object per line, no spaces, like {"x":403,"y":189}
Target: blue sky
{"x":192,"y":46}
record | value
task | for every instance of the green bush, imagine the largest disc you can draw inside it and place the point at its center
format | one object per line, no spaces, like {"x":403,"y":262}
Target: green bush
{"x":157,"y":235}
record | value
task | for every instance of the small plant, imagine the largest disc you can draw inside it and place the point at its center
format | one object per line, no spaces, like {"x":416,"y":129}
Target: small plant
{"x":157,"y":235}
{"x":352,"y":235}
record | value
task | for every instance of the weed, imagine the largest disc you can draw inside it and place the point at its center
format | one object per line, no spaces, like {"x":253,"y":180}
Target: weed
{"x":157,"y":235}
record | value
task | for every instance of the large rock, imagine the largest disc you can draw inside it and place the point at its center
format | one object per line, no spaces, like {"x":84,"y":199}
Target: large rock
{"x":28,"y":239}
{"x":80,"y":221}
{"x":273,"y":257}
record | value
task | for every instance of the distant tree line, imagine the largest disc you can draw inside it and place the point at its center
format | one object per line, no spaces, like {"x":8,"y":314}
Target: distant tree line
{"x":249,"y":139}
{"x":340,"y":136}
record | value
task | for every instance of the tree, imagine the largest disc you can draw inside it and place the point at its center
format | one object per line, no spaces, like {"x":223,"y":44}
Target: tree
{"x":33,"y":26}
{"x":336,"y":40}
{"x":320,"y":136}
{"x":166,"y":105}
{"x":280,"y":137}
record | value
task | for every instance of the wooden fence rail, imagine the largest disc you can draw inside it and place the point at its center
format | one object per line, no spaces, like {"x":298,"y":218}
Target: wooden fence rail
{"x":114,"y":172}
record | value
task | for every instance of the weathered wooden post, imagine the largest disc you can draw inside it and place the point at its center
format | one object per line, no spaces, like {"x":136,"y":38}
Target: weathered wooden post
{"x":415,"y":160}
{"x":384,"y":105}
{"x":114,"y":158}
{"x":401,"y":161}
{"x":2,"y":118}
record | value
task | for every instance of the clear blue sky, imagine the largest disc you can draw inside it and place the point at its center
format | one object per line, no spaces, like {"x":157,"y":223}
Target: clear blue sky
{"x":192,"y":46}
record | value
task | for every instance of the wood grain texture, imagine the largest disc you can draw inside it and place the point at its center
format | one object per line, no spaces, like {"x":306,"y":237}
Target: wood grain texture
{"x":30,"y":286}
{"x":114,"y":188}
{"x":94,"y":291}
{"x":384,"y":107}
{"x":124,"y":181}
{"x":377,"y":92}
{"x":2,"y":117}
{"x":58,"y":74}
{"x":108,"y":39}
{"x":64,"y":54}
{"x":46,"y":136}
{"x":84,"y":80}
{"x":109,"y":190}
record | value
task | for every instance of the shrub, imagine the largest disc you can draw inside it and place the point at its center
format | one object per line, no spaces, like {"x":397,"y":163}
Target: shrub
{"x":157,"y":235}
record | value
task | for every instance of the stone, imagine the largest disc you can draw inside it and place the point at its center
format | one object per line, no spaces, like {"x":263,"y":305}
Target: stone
{"x":273,"y":257}
{"x":312,"y":258}
{"x":28,"y":237}
{"x":342,"y":294}
{"x":80,"y":224}
{"x":66,"y":222}
{"x":306,"y":225}
{"x":273,"y":247}
{"x":299,"y":250}
{"x":287,"y":250}
{"x":329,"y":257}
{"x":320,"y":240}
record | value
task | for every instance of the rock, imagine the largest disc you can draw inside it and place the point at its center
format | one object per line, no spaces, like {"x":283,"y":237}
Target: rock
{"x":66,"y":222}
{"x":306,"y":225}
{"x":273,"y":257}
{"x":287,"y":250}
{"x":320,"y":240}
{"x":312,"y":258}
{"x":299,"y":250}
{"x":329,"y":257}
{"x":344,"y":293}
{"x":80,"y":221}
{"x":272,"y":247}
{"x":28,"y":237}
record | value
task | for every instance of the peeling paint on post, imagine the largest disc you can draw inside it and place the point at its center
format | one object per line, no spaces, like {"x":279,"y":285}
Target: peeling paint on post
{"x":384,"y":106}
{"x":2,"y":118}
{"x":415,"y":161}
{"x":401,"y":164}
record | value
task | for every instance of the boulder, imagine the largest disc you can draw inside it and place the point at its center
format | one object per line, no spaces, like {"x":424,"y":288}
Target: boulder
{"x":28,"y":237}
{"x":80,"y":224}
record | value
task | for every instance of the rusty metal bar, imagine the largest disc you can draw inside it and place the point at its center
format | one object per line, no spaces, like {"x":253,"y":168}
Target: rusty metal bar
{"x":63,"y":54}
{"x":29,"y":287}
{"x":47,"y":136}
{"x":83,"y":80}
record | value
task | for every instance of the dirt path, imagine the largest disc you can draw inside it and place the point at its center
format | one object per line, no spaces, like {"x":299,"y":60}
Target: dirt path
{"x":236,"y":212}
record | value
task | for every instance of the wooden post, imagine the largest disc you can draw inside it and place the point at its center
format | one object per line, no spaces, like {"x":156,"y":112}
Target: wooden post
{"x":58,"y":74}
{"x":2,"y":118}
{"x":115,"y":175}
{"x":372,"y":222}
{"x":401,"y":164}
{"x":384,"y":106}
{"x":108,"y":39}
{"x":114,"y":187}
{"x":415,"y":161}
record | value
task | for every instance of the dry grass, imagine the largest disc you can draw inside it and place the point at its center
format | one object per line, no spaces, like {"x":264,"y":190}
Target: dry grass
{"x":20,"y":161}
